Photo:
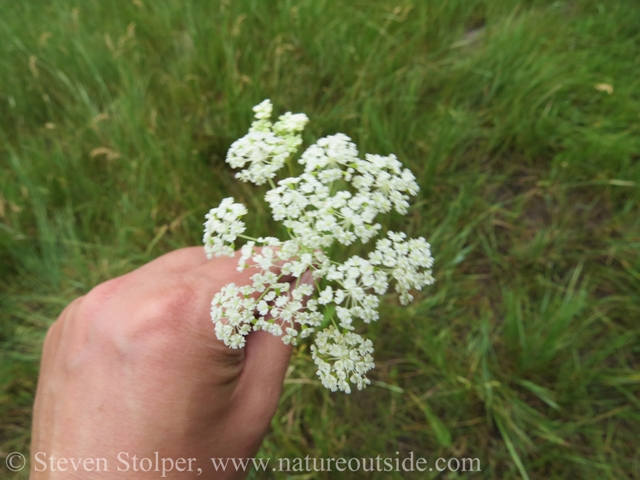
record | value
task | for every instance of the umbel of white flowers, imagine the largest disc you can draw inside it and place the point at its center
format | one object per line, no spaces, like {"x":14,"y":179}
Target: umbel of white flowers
{"x":336,"y":199}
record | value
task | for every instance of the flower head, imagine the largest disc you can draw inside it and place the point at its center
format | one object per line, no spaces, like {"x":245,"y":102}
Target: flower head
{"x":338,"y":198}
{"x":342,"y":358}
{"x":222,"y":227}
{"x":266,"y":147}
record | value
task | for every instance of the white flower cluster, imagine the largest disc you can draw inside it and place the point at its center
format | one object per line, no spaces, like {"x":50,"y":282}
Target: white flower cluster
{"x":267,"y":146}
{"x":317,"y":215}
{"x":222,"y":227}
{"x":297,"y":290}
{"x":350,"y":355}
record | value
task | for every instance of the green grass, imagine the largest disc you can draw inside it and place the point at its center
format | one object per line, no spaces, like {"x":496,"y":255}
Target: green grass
{"x":526,"y":351}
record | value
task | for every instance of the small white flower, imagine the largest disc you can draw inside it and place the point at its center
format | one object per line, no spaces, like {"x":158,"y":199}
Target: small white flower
{"x":326,"y":296}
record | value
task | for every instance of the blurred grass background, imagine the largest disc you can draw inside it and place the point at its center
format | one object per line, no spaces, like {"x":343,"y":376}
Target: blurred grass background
{"x":521,"y":120}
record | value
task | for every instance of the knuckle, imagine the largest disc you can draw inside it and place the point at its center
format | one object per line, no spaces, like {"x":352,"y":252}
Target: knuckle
{"x":135,"y":315}
{"x":179,"y":297}
{"x":101,"y":295}
{"x":163,"y":311}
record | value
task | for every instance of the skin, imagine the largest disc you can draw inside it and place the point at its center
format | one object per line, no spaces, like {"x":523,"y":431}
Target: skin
{"x":134,"y":366}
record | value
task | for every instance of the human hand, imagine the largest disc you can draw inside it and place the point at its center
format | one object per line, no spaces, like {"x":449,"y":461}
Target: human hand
{"x":134,"y":367}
